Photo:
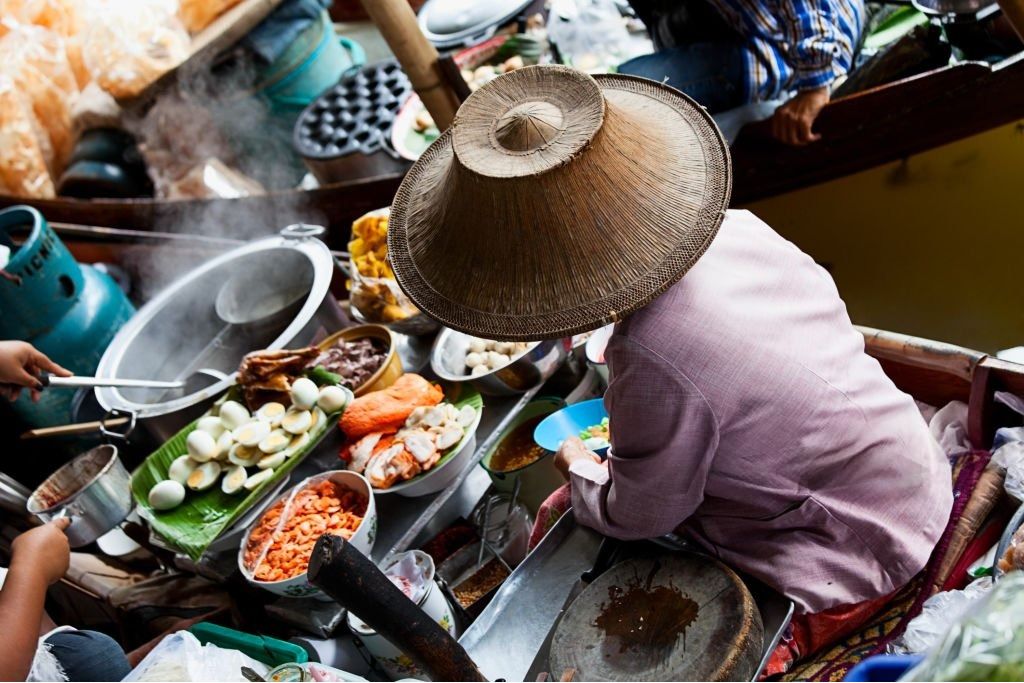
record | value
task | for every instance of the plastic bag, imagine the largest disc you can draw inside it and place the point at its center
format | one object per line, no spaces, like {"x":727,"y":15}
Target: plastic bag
{"x":128,"y":44}
{"x":24,"y":146}
{"x":938,"y":612}
{"x":63,"y":17}
{"x":181,"y":657}
{"x":375,"y":294}
{"x":198,"y":14}
{"x":985,"y":644}
{"x":590,"y":34}
{"x":1010,"y":457}
{"x":34,"y":58}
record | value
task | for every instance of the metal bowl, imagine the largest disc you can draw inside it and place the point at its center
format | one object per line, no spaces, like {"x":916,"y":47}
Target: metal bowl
{"x":93,"y":491}
{"x":391,"y":367}
{"x":526,"y":371}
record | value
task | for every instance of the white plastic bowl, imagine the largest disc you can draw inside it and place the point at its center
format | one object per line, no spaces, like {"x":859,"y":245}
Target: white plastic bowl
{"x":363,"y":539}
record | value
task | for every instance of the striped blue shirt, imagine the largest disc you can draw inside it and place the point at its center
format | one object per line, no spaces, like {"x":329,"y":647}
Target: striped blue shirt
{"x":794,"y":44}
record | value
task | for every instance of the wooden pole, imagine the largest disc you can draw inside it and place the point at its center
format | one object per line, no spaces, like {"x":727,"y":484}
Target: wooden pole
{"x":1014,"y":11}
{"x":357,"y":584}
{"x":397,"y":23}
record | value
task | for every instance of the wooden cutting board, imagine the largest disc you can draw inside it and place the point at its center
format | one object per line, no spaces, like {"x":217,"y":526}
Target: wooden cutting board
{"x":673,"y":617}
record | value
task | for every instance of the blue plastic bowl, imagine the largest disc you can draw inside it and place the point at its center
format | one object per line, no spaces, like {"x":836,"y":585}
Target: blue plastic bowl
{"x":570,"y":421}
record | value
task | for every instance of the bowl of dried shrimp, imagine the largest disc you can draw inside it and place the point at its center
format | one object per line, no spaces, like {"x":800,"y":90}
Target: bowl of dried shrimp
{"x":275,"y":550}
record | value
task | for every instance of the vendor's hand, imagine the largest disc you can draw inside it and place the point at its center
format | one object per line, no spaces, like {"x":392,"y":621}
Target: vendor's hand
{"x":793,"y":121}
{"x":43,"y":551}
{"x":571,"y":450}
{"x":20,"y":365}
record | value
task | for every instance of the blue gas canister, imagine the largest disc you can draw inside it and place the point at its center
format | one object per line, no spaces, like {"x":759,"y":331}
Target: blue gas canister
{"x":68,"y":311}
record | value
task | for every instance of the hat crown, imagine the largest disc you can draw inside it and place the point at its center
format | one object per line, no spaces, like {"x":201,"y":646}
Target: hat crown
{"x":528,"y":127}
{"x":527,"y":122}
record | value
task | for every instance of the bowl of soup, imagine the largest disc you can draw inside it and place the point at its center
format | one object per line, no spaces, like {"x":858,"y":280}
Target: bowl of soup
{"x":516,"y":457}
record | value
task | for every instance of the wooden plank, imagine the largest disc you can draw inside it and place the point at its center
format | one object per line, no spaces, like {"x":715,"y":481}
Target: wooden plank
{"x":880,"y":125}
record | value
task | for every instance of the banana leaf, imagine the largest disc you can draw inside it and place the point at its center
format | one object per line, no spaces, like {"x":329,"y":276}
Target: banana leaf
{"x":203,"y":516}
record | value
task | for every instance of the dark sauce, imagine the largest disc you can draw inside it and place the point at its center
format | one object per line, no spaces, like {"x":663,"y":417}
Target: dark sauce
{"x":518,"y":449}
{"x":645,"y":621}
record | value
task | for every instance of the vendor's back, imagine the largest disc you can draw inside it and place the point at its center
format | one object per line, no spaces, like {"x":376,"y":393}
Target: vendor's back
{"x":822,"y":478}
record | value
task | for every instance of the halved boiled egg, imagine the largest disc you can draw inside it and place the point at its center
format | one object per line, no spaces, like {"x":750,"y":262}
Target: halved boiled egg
{"x":271,"y":412}
{"x":244,"y":456}
{"x":297,"y":421}
{"x":304,"y":393}
{"x":298,"y":442}
{"x":277,"y":440}
{"x":269,"y":462}
{"x":201,"y":446}
{"x":204,"y":476}
{"x":251,"y":433}
{"x":234,"y":480}
{"x":253,"y":482}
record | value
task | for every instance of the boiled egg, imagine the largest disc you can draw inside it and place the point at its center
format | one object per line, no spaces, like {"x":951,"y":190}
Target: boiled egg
{"x":319,"y":418}
{"x":201,"y":446}
{"x":304,"y":393}
{"x":234,"y":479}
{"x":224,"y":444}
{"x":333,"y":398}
{"x":212,"y":425}
{"x":166,"y":495}
{"x":251,"y":433}
{"x":233,"y":415}
{"x":182,"y":466}
{"x":298,"y":442}
{"x":244,"y":456}
{"x":204,"y":476}
{"x":271,"y":412}
{"x":277,"y":440}
{"x":253,"y":482}
{"x":269,"y":462}
{"x":297,"y":421}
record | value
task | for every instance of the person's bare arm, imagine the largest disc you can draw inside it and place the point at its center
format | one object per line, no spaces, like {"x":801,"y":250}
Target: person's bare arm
{"x":39,"y":558}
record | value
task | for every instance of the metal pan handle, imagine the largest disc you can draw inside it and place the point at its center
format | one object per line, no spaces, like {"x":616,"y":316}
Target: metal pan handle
{"x":111,"y":434}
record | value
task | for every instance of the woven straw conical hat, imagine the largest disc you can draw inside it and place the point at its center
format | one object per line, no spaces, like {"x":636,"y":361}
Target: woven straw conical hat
{"x":558,"y":202}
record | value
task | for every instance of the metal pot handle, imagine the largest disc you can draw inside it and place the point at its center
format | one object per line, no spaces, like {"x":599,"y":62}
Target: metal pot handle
{"x":303,"y":231}
{"x":112,"y":434}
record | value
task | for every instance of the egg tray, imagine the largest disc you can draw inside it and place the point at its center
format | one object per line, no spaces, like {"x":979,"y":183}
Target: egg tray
{"x":354,"y":116}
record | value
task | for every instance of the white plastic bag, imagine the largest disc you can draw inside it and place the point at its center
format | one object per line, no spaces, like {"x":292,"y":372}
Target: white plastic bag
{"x":181,"y":657}
{"x":986,"y":643}
{"x":1010,"y":457}
{"x":938,"y":612}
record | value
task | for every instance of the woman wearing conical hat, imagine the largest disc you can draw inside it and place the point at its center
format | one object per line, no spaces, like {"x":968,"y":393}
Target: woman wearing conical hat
{"x":744,"y":411}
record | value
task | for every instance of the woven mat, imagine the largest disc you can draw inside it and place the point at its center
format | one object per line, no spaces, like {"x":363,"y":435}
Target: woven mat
{"x":834,"y":663}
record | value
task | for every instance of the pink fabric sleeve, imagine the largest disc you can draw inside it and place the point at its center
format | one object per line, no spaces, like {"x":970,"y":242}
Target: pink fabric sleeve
{"x":663,"y":437}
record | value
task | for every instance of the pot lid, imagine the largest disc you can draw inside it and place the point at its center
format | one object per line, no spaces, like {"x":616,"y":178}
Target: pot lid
{"x":179,"y":335}
{"x":449,"y":23}
{"x":971,"y":10}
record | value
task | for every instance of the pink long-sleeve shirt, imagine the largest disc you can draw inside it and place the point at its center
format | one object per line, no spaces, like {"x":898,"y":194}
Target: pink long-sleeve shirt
{"x":744,"y":409}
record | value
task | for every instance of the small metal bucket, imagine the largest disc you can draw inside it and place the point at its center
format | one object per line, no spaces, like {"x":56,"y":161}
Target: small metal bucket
{"x":93,"y":491}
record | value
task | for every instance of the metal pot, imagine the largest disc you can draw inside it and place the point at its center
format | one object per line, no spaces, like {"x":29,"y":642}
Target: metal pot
{"x":95,"y":507}
{"x":519,"y":376}
{"x":180,"y":336}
